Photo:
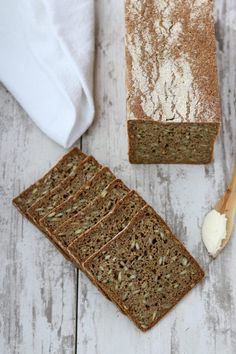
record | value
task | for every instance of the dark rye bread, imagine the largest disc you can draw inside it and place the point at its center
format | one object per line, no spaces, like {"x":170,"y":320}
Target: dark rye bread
{"x":58,"y":173}
{"x":96,"y":237}
{"x":173,"y":105}
{"x":90,"y":215}
{"x":145,"y":270}
{"x":77,"y":202}
{"x":84,"y":172}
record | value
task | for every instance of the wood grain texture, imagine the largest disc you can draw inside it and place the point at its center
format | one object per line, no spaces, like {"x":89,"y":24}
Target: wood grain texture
{"x":45,"y":306}
{"x":37,"y":286}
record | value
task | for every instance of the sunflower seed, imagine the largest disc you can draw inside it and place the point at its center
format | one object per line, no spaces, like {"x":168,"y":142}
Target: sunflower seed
{"x":78,"y":231}
{"x":104,"y":193}
{"x":132,"y":245}
{"x":144,"y":285}
{"x":162,"y":235}
{"x":125,"y":296}
{"x":144,"y":326}
{"x":166,"y":306}
{"x":154,"y":315}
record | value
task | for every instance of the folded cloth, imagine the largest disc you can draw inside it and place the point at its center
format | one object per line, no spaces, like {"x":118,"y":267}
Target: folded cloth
{"x":46,"y":62}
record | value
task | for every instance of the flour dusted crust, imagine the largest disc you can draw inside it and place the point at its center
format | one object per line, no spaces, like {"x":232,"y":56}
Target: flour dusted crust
{"x":171,"y":77}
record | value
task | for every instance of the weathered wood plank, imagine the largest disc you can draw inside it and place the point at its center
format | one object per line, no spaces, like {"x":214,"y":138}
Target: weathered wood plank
{"x":205,"y":321}
{"x":37,"y":286}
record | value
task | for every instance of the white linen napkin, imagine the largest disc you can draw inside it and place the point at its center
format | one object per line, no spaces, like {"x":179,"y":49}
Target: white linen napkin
{"x":46,"y":62}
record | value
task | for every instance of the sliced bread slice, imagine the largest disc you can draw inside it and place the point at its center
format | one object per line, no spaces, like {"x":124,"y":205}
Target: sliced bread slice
{"x":77,"y":202}
{"x":145,"y":270}
{"x":96,"y":237}
{"x":85,"y":171}
{"x":58,"y":173}
{"x":90,"y":215}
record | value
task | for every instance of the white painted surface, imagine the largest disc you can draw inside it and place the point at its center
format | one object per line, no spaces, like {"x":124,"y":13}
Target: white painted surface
{"x":44,"y":307}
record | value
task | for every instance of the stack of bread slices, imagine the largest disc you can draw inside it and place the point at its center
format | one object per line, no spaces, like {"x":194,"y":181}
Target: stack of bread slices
{"x":110,"y":233}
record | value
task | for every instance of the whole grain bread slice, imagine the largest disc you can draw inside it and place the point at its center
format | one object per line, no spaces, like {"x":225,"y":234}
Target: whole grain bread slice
{"x":145,"y":270}
{"x":77,"y":202}
{"x":84,"y":172}
{"x":90,"y":215}
{"x":100,"y":234}
{"x":64,"y":167}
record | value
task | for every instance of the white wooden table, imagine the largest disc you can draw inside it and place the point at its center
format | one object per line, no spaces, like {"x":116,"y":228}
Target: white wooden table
{"x":46,"y":305}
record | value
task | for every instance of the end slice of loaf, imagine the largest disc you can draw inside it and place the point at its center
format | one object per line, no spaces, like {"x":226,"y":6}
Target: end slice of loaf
{"x":96,"y":237}
{"x":57,"y":174}
{"x":84,"y":172}
{"x":90,"y":215}
{"x":79,"y":201}
{"x":145,"y":270}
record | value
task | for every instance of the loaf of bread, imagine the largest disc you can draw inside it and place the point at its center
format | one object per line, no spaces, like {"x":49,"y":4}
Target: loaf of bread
{"x":78,"y":201}
{"x":90,"y":215}
{"x":96,"y":237}
{"x":65,"y":167}
{"x":145,"y":270}
{"x":84,"y":172}
{"x":173,"y":107}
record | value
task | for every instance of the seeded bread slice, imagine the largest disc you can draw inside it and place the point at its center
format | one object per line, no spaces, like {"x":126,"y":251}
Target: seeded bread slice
{"x":80,"y":200}
{"x":145,"y":270}
{"x":85,"y":171}
{"x":96,"y":237}
{"x":65,"y":167}
{"x":90,"y":215}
